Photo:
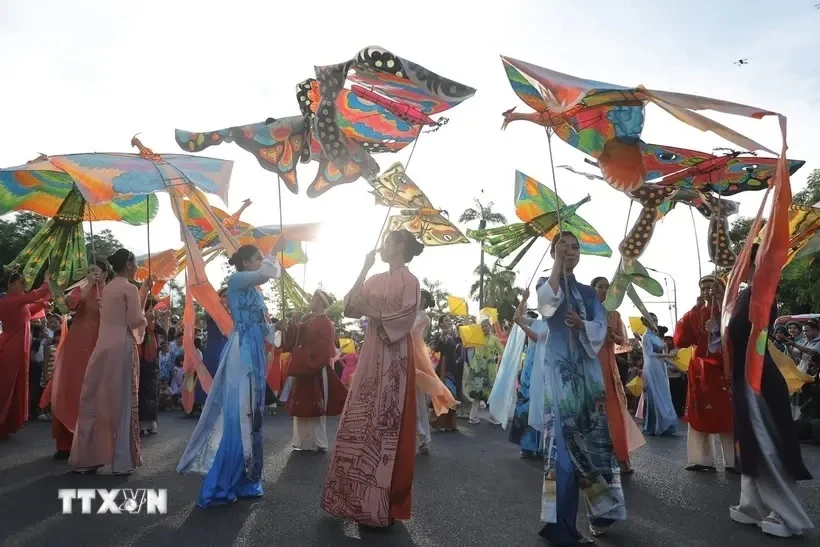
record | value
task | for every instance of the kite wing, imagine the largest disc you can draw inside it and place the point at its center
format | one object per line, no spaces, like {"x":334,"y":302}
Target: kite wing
{"x":278,"y":146}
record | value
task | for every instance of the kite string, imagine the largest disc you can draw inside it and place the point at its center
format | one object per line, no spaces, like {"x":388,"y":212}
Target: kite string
{"x":282,"y":251}
{"x":91,"y":230}
{"x":396,"y":192}
{"x":557,"y":213}
{"x":148,"y":231}
{"x":697,"y":245}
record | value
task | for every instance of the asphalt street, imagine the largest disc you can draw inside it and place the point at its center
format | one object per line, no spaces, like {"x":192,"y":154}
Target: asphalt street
{"x":472,"y":491}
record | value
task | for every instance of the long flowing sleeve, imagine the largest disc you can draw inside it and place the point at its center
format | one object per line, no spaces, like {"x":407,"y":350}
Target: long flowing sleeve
{"x":595,"y":330}
{"x":685,"y":335}
{"x":549,"y":300}
{"x":397,"y":325}
{"x":538,"y":376}
{"x":270,"y":269}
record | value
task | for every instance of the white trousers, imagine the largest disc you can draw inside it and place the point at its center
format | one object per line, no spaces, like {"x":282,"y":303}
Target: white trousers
{"x":773,"y":491}
{"x":475,"y":406}
{"x":310,"y":433}
{"x":700,"y":448}
{"x":422,"y":417}
{"x":763,"y":495}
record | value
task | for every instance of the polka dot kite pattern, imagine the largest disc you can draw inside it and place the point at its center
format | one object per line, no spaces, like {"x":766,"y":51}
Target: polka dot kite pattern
{"x":651,"y":197}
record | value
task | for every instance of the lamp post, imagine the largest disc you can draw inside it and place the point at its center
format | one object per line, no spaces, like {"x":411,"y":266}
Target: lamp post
{"x":674,"y":289}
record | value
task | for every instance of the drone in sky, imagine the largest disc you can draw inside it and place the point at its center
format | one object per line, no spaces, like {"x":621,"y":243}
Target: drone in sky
{"x":740,"y":62}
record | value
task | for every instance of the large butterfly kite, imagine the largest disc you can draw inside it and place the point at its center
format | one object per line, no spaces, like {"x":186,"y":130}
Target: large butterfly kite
{"x":393,"y":188}
{"x":387,"y":104}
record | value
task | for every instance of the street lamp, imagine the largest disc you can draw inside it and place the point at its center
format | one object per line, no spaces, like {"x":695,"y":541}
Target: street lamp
{"x":674,"y":289}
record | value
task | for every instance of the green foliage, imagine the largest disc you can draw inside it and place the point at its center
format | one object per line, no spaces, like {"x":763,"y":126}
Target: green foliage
{"x":485,"y":215}
{"x":811,"y":193}
{"x":177,"y":294}
{"x":16,"y":232}
{"x":500,"y":291}
{"x":102,"y":245}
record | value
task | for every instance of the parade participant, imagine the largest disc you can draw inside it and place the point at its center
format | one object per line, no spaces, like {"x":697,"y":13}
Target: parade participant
{"x":149,"y":372}
{"x":626,"y":436}
{"x":429,"y":386}
{"x":708,"y":396}
{"x":483,"y":368}
{"x":107,"y":431}
{"x":660,"y":417}
{"x":578,"y":449}
{"x":226,"y":445}
{"x":450,"y":369}
{"x":769,"y":458}
{"x":521,"y":432}
{"x":213,"y":347}
{"x":16,"y":308}
{"x":312,"y":391}
{"x":370,"y":474}
{"x":71,"y":363}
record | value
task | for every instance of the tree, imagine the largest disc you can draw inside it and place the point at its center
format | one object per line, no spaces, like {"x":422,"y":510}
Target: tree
{"x":499,"y":288}
{"x":799,"y":290}
{"x":17,"y":232}
{"x":811,"y":193}
{"x":439,"y":299}
{"x":102,"y":245}
{"x":485,"y":215}
{"x":738,"y":232}
{"x":177,"y":297}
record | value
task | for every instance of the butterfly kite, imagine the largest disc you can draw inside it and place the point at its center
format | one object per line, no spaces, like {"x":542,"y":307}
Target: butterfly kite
{"x":539,"y":209}
{"x":384,"y":108}
{"x":393,"y":188}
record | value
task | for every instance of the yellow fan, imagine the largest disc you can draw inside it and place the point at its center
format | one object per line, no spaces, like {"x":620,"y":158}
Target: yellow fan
{"x":458,"y":306}
{"x":682,"y":359}
{"x":472,"y":336}
{"x":635,"y":387}
{"x":346,"y":345}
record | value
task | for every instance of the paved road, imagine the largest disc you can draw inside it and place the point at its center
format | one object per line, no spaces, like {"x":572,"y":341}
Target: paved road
{"x":473,"y":491}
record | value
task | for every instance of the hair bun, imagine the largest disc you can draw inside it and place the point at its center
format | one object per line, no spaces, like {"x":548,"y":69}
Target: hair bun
{"x":417,"y":247}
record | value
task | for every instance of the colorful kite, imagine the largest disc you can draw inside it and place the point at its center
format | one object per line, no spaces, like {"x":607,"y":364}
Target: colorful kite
{"x":539,"y":209}
{"x":44,"y":190}
{"x":605,"y":120}
{"x":393,"y":188}
{"x":60,"y":245}
{"x":804,"y":232}
{"x":388,"y":103}
{"x":725,"y":175}
{"x":386,"y":88}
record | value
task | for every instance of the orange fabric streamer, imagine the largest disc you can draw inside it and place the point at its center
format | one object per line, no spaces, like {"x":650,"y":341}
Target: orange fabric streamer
{"x":773,"y":250}
{"x":192,"y":365}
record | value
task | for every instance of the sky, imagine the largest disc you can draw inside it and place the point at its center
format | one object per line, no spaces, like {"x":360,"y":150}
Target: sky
{"x":87,"y":75}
